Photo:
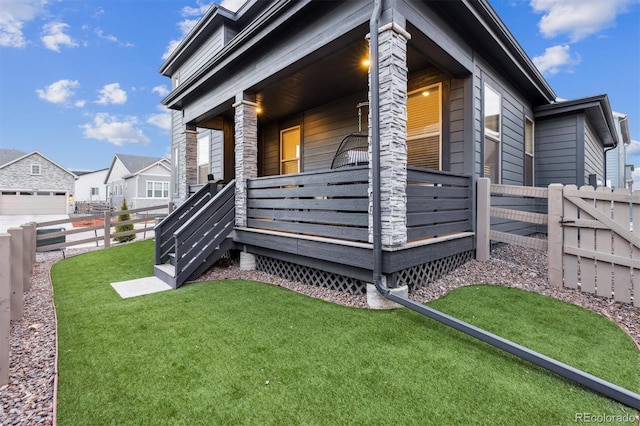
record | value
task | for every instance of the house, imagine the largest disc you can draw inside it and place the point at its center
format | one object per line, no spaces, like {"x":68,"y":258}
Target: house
{"x":266,"y":96}
{"x":615,"y":166}
{"x":91,"y":191}
{"x":142,"y":181}
{"x":33,"y":184}
{"x":571,"y":138}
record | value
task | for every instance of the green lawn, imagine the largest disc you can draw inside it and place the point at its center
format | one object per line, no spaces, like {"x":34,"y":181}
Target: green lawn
{"x":238,"y":352}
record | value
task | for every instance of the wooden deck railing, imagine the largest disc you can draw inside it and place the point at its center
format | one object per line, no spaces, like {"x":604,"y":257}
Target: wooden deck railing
{"x":331,"y":203}
{"x":438,"y":203}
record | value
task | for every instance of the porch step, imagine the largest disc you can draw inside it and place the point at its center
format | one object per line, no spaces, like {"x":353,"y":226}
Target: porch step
{"x":172,"y":258}
{"x":167,"y":273}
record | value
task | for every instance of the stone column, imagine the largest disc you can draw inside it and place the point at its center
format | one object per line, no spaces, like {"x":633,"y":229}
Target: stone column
{"x":393,"y":136}
{"x":246,"y":151}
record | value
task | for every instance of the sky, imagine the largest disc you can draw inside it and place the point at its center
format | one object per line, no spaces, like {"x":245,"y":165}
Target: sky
{"x":79,"y":79}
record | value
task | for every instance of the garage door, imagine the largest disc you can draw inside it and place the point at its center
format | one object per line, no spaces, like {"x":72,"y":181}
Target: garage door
{"x":28,"y":202}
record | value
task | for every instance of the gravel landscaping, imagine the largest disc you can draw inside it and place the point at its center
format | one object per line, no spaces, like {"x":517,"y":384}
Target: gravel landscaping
{"x":28,"y":399}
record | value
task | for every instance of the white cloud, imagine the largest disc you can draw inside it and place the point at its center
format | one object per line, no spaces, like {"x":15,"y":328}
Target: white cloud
{"x":109,"y":128}
{"x":112,"y":94}
{"x":59,"y":92}
{"x":556,"y":57}
{"x":634,"y":149}
{"x":54,"y":36}
{"x":161,"y":90}
{"x":13,"y":16}
{"x":577,"y":18}
{"x":191,"y":15}
{"x":161,"y":119}
{"x":110,"y":37}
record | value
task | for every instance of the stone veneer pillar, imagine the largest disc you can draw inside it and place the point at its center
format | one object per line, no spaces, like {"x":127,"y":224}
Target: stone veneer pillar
{"x":392,"y":43}
{"x":246,"y":152}
{"x":190,"y":165}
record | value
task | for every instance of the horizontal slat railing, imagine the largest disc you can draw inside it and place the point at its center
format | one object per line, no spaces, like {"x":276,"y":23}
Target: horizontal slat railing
{"x":164,"y":230}
{"x":438,"y":203}
{"x":332,"y":204}
{"x":203,"y":232}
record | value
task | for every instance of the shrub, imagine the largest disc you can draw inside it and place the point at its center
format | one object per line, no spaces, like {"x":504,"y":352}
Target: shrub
{"x":127,"y":227}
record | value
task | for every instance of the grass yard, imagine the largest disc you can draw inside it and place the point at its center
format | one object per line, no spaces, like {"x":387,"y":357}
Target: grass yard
{"x":238,"y":352}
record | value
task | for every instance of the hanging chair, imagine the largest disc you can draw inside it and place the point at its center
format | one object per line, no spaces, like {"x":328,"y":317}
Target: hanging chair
{"x":353,"y":151}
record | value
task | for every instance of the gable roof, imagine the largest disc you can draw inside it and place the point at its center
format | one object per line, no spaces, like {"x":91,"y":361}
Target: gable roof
{"x":10,"y":156}
{"x":596,"y":108}
{"x":136,"y":164}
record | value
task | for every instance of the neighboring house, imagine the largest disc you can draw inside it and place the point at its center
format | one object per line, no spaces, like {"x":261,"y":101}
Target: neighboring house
{"x":90,"y":186}
{"x":616,"y":157}
{"x":571,"y":138}
{"x":143,"y":181}
{"x":31,"y":183}
{"x":267,"y":95}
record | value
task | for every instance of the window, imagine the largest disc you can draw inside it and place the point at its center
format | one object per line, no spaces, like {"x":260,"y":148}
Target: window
{"x":492,"y":133}
{"x":204,"y":141}
{"x":35,"y":169}
{"x":290,"y":150}
{"x":157,"y":189}
{"x":528,"y":152}
{"x":424,"y":118}
{"x":95,"y":191}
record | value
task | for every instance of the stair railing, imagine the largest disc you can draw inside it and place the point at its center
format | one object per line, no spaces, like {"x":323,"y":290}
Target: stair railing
{"x":203,"y":233}
{"x":164,"y":230}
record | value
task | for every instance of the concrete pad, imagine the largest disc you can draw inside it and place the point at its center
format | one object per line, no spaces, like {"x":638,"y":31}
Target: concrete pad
{"x":140,"y":287}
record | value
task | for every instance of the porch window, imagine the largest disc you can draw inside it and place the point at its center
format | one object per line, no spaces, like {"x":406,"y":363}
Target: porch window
{"x":204,"y":142}
{"x":290,"y":150}
{"x":157,"y":189}
{"x":528,"y":152}
{"x":424,"y":127}
{"x":492,"y":133}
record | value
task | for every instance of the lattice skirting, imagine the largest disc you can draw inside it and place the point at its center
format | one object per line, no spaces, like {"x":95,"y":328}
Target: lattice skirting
{"x":414,"y":277}
{"x":423,"y":275}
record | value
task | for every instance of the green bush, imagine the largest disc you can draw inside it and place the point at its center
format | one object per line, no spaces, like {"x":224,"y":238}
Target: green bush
{"x":127,"y":227}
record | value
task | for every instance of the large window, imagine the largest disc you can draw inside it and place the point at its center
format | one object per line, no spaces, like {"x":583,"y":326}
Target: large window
{"x":424,"y":118}
{"x":528,"y":152}
{"x":157,"y":189}
{"x":492,"y":133}
{"x":290,"y":150}
{"x":204,"y":143}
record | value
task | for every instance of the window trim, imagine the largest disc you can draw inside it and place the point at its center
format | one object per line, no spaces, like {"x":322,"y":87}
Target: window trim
{"x":493,"y":138}
{"x":39,"y":172}
{"x":531,"y":154}
{"x":299,"y":152}
{"x":440,"y":118}
{"x":164,"y":189}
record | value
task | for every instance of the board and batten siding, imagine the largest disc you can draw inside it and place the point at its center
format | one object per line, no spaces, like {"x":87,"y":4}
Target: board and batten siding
{"x":456,"y":126}
{"x":593,"y":153}
{"x":556,"y":151}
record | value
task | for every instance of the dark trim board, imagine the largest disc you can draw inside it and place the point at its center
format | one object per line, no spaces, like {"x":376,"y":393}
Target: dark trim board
{"x":351,"y":260}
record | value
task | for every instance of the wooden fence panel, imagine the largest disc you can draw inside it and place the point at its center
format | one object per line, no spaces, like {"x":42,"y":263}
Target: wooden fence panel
{"x":635,"y":251}
{"x":570,"y":263}
{"x":622,"y":248}
{"x":603,"y":244}
{"x":587,"y":243}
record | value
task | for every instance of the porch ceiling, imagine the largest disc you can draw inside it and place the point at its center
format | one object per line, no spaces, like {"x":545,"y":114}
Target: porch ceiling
{"x":333,"y":72}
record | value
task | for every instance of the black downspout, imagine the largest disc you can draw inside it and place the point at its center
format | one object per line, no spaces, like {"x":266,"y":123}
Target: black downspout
{"x":603,"y":387}
{"x":375,"y":148}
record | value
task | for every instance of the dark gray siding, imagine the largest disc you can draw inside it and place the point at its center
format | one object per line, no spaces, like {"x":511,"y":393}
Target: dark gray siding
{"x":205,"y":52}
{"x":593,"y":154}
{"x":456,"y":127}
{"x":556,"y":153}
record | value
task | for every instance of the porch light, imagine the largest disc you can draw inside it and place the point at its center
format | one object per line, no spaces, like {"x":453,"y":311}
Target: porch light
{"x":366,"y":62}
{"x":258,"y":110}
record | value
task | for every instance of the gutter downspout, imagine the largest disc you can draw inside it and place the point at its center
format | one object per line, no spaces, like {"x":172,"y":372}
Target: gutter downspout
{"x":375,"y":148}
{"x":594,"y":383}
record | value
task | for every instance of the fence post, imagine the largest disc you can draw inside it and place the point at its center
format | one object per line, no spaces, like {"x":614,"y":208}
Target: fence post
{"x":107,"y":229}
{"x":555,"y":235}
{"x":5,"y":306}
{"x":27,"y":247}
{"x":483,"y":241}
{"x":17,"y":283}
